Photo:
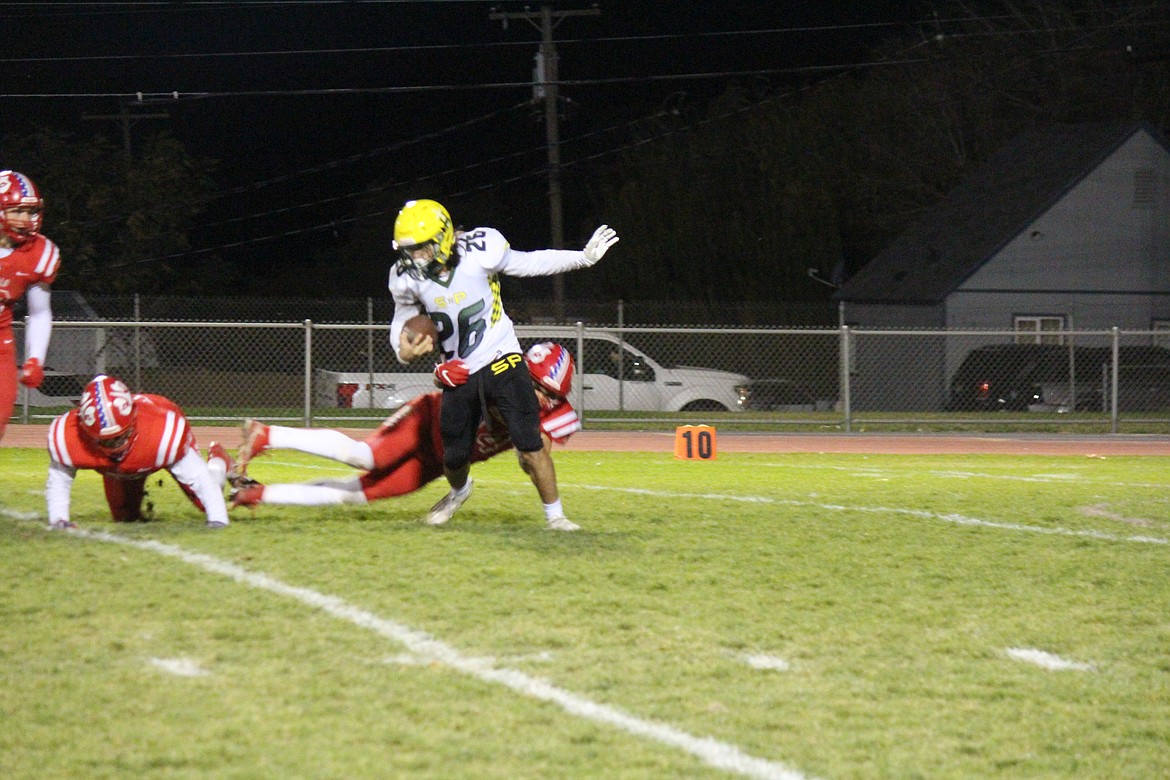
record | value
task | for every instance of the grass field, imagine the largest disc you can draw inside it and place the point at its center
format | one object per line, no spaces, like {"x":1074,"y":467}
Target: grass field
{"x":773,"y":616}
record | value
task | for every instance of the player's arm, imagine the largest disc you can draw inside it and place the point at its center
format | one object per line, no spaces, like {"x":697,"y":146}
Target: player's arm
{"x":405,"y":348}
{"x":192,"y":473}
{"x":58,"y":491}
{"x":547,"y":262}
{"x":36,"y":336}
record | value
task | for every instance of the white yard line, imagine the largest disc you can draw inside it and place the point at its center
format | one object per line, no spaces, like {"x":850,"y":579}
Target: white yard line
{"x":720,"y":755}
{"x":1048,"y":660}
{"x":180,"y":667}
{"x":947,"y":518}
{"x":872,"y":471}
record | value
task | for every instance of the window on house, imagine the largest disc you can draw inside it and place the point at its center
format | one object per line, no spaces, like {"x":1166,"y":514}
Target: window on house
{"x":1039,"y":330}
{"x":1161,"y":330}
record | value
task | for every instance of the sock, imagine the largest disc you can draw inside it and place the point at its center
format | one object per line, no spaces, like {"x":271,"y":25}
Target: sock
{"x":553,"y":510}
{"x":325,"y":442}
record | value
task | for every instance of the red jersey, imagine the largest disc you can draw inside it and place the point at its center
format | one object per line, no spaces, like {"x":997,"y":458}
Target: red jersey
{"x":162,"y":437}
{"x":36,"y":260}
{"x":408,"y":446}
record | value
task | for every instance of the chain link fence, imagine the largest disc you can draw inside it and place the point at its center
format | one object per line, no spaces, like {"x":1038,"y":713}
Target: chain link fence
{"x":305,"y":371}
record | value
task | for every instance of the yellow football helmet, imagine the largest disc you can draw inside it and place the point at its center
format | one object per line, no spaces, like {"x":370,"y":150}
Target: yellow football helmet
{"x":424,"y":238}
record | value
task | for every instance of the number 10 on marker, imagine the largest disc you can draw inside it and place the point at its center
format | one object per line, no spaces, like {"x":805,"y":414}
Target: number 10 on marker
{"x":694,"y":442}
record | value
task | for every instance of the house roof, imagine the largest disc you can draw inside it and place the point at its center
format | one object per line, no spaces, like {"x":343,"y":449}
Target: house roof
{"x":954,"y":238}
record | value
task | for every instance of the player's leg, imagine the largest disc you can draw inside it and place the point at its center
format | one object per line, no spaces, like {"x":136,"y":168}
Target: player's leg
{"x":124,"y":497}
{"x":512,"y":394}
{"x":324,"y":442}
{"x":407,"y":476}
{"x":459,"y":416}
{"x":402,"y":435}
{"x":322,"y":493}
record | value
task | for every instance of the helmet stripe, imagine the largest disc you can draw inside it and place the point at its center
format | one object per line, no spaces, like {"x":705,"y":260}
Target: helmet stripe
{"x":26,"y":186}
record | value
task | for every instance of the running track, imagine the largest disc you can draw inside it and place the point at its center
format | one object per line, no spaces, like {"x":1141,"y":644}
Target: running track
{"x":876,"y":443}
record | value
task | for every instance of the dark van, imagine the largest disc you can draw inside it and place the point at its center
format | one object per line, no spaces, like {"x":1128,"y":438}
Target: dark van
{"x":1019,"y":377}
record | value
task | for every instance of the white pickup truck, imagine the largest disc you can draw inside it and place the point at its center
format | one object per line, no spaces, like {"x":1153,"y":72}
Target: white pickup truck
{"x":635,"y":382}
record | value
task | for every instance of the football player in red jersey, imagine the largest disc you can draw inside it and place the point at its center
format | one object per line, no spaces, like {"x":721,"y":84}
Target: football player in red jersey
{"x":406,"y":451}
{"x":28,"y":266}
{"x":127,"y":437}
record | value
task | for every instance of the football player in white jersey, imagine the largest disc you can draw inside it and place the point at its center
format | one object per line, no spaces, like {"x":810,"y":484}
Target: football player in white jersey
{"x":454,"y":277}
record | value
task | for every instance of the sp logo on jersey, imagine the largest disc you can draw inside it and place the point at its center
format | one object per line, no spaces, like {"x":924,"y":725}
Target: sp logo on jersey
{"x":443,"y":301}
{"x":506,"y":362}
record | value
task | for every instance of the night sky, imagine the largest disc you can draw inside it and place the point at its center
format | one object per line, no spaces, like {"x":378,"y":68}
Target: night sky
{"x":245,"y":73}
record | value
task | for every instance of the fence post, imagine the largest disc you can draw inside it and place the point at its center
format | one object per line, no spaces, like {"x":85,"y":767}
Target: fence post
{"x":1113,"y":379}
{"x":137,"y":344}
{"x":846,"y":390}
{"x":621,"y":367}
{"x":24,"y":391}
{"x":308,"y":373}
{"x":370,"y":351}
{"x":581,"y":370}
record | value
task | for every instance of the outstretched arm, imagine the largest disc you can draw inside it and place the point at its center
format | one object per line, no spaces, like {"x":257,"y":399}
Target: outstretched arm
{"x":546,"y":262}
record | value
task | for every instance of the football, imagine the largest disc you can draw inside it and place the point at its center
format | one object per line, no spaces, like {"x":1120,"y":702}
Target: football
{"x":421,"y":325}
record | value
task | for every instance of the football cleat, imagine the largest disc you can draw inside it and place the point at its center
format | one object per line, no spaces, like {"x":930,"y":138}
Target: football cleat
{"x":448,"y":505}
{"x":562,"y":523}
{"x":245,"y":492}
{"x":63,"y":525}
{"x":255,"y":442}
{"x":216,"y":524}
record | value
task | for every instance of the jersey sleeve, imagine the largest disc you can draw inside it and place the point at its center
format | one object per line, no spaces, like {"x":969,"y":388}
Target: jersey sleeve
{"x":46,"y":262}
{"x":491,"y":250}
{"x":58,"y":491}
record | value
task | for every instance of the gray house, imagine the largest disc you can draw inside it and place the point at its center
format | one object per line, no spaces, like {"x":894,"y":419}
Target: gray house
{"x":1068,"y":227}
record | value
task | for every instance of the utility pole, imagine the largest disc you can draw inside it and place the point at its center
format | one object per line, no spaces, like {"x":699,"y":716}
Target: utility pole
{"x":127,"y":118}
{"x":545,"y":87}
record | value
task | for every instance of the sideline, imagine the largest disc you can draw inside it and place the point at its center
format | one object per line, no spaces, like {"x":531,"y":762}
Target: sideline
{"x":720,"y":755}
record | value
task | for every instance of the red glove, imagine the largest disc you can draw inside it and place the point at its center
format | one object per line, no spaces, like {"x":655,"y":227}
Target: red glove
{"x":33,"y":374}
{"x":451,"y":374}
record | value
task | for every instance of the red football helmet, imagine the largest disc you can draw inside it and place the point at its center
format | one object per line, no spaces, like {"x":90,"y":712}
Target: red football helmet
{"x":107,"y":414}
{"x":17,"y":192}
{"x":551,"y":367}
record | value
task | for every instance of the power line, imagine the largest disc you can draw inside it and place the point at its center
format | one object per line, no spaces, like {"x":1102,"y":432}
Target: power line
{"x":526,"y":85}
{"x":441,"y":47}
{"x":453,"y":46}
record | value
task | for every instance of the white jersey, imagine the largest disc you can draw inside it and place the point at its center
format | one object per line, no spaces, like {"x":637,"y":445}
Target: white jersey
{"x":466,"y":303}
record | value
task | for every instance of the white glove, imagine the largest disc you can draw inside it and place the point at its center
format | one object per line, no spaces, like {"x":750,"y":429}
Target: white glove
{"x":603,"y":238}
